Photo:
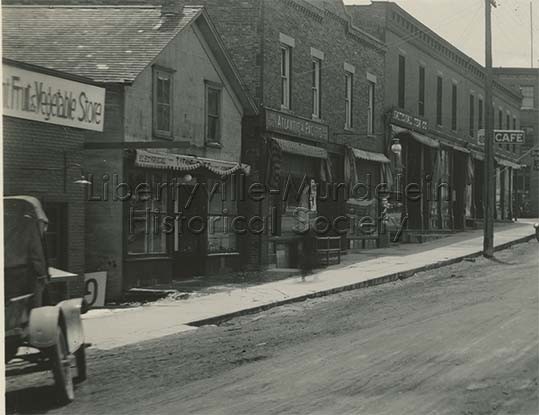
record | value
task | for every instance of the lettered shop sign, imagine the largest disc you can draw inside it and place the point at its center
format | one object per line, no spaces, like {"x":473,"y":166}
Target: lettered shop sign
{"x":53,"y":100}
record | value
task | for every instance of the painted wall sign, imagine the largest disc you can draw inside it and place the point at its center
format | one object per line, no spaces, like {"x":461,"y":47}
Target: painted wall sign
{"x":280,"y":122}
{"x":509,"y":137}
{"x":409,"y":121}
{"x":35,"y":96}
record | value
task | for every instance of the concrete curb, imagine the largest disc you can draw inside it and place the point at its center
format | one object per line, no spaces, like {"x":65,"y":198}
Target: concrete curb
{"x":365,"y":284}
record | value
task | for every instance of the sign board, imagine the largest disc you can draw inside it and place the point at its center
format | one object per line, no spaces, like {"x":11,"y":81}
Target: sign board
{"x":409,"y":121}
{"x":35,"y":96}
{"x":509,"y":137}
{"x":95,"y":287}
{"x":282,"y":123}
{"x":481,"y":137}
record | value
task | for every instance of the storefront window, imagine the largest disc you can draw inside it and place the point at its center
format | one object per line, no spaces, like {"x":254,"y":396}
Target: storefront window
{"x":147,"y":207}
{"x":222,"y":209}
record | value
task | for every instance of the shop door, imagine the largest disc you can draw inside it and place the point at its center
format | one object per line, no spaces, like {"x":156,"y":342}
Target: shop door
{"x":478,"y":190}
{"x":190,"y":244}
{"x":413,"y":178}
{"x":459,"y":183}
{"x":56,"y":234}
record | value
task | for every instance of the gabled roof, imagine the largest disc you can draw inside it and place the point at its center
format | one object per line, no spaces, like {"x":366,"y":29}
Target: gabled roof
{"x":106,"y":44}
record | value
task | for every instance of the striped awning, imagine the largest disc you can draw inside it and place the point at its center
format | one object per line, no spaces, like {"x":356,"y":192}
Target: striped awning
{"x":368,"y":155}
{"x":507,"y":163}
{"x":423,"y":139}
{"x":301,"y":149}
{"x":179,"y":162}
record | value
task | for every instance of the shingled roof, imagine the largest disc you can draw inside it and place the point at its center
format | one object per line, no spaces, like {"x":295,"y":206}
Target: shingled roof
{"x":103,"y":43}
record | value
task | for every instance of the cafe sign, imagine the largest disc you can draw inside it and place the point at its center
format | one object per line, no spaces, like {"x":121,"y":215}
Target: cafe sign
{"x":509,"y":137}
{"x":282,"y":123}
{"x":409,"y":121}
{"x":35,"y":96}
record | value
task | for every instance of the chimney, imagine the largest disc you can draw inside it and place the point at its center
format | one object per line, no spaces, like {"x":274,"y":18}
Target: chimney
{"x":171,"y":8}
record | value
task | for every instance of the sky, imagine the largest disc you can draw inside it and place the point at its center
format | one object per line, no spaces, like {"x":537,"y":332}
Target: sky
{"x":462,"y":22}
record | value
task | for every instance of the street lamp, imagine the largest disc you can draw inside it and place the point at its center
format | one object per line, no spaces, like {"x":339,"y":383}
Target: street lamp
{"x":396,"y":147}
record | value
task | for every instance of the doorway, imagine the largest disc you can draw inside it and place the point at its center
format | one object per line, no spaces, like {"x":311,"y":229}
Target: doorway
{"x":190,"y":236}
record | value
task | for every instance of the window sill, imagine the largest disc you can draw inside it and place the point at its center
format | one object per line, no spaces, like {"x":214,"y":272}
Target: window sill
{"x":214,"y":144}
{"x":284,"y":108}
{"x":316,"y":118}
{"x":147,"y":257}
{"x":349,"y":129}
{"x":221,"y":254}
{"x":373,"y":136}
{"x":163,"y":136}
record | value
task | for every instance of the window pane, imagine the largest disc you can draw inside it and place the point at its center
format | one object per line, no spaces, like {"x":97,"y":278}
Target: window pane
{"x":213,"y":128}
{"x":213,"y":101}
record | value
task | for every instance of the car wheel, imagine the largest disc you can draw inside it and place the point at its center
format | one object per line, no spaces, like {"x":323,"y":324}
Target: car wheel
{"x":60,"y":360}
{"x":80,"y":360}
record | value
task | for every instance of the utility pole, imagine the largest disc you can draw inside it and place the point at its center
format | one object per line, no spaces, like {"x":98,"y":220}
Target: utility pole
{"x":531,"y":30}
{"x":489,"y":183}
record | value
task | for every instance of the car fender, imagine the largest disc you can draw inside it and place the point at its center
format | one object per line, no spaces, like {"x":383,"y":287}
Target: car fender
{"x":71,"y":311}
{"x":43,"y":325}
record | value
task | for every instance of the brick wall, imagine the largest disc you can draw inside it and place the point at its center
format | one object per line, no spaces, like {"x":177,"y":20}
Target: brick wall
{"x":34,"y":165}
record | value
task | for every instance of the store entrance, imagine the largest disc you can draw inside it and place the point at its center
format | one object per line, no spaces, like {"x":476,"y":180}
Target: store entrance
{"x":190,"y":237}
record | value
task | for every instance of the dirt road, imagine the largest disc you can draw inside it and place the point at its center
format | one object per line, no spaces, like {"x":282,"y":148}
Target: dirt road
{"x":459,"y":340}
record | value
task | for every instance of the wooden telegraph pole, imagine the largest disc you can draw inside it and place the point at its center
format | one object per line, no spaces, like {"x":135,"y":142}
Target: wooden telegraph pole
{"x":489,"y":179}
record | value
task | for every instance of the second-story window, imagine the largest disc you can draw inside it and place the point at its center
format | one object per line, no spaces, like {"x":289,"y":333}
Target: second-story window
{"x":528,"y":94}
{"x":162,"y":102}
{"x":286,"y":52}
{"x":213,"y":112}
{"x":421,"y":102}
{"x":472,"y":115}
{"x":439,"y":97}
{"x":480,"y":114}
{"x":348,"y":89}
{"x":402,"y":81}
{"x":316,"y":83}
{"x":370,"y":109}
{"x":454,"y":108}
{"x":500,"y":119}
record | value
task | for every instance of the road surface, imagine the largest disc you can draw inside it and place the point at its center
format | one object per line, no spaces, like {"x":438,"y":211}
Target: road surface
{"x":463,"y":339}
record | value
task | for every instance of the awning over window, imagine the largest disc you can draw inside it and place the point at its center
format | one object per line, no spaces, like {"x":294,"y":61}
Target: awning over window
{"x":507,"y":163}
{"x":367,"y":155}
{"x":179,"y":162}
{"x":423,"y":139}
{"x":478,"y":155}
{"x":456,"y":147}
{"x":301,"y":149}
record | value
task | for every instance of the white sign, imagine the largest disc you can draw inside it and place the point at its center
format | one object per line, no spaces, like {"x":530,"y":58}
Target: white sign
{"x":95,"y":287}
{"x":53,"y":100}
{"x":509,"y":137}
{"x":481,"y":137}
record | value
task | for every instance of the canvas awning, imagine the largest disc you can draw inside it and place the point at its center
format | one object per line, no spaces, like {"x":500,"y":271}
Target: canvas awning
{"x":478,"y":155}
{"x":423,"y":139}
{"x":301,"y":149}
{"x":507,"y":163}
{"x":183,"y":163}
{"x":456,"y":147}
{"x":368,"y":155}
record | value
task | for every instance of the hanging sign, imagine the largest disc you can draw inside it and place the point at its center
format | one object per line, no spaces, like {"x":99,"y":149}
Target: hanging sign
{"x":509,"y":137}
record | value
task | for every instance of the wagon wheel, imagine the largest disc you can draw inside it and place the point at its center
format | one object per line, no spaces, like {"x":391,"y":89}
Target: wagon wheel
{"x":80,"y":360}
{"x":61,"y":367}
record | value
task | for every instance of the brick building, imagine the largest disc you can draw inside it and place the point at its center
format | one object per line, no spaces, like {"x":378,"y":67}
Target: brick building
{"x":172,"y":136}
{"x":43,"y":153}
{"x":526,"y":185}
{"x":434,"y":101}
{"x":319,"y":82}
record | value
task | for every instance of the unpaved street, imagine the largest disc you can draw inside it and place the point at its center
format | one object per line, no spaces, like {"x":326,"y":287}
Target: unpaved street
{"x":460,"y":340}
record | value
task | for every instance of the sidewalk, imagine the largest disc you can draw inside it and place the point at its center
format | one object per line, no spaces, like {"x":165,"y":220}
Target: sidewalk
{"x":107,"y":329}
